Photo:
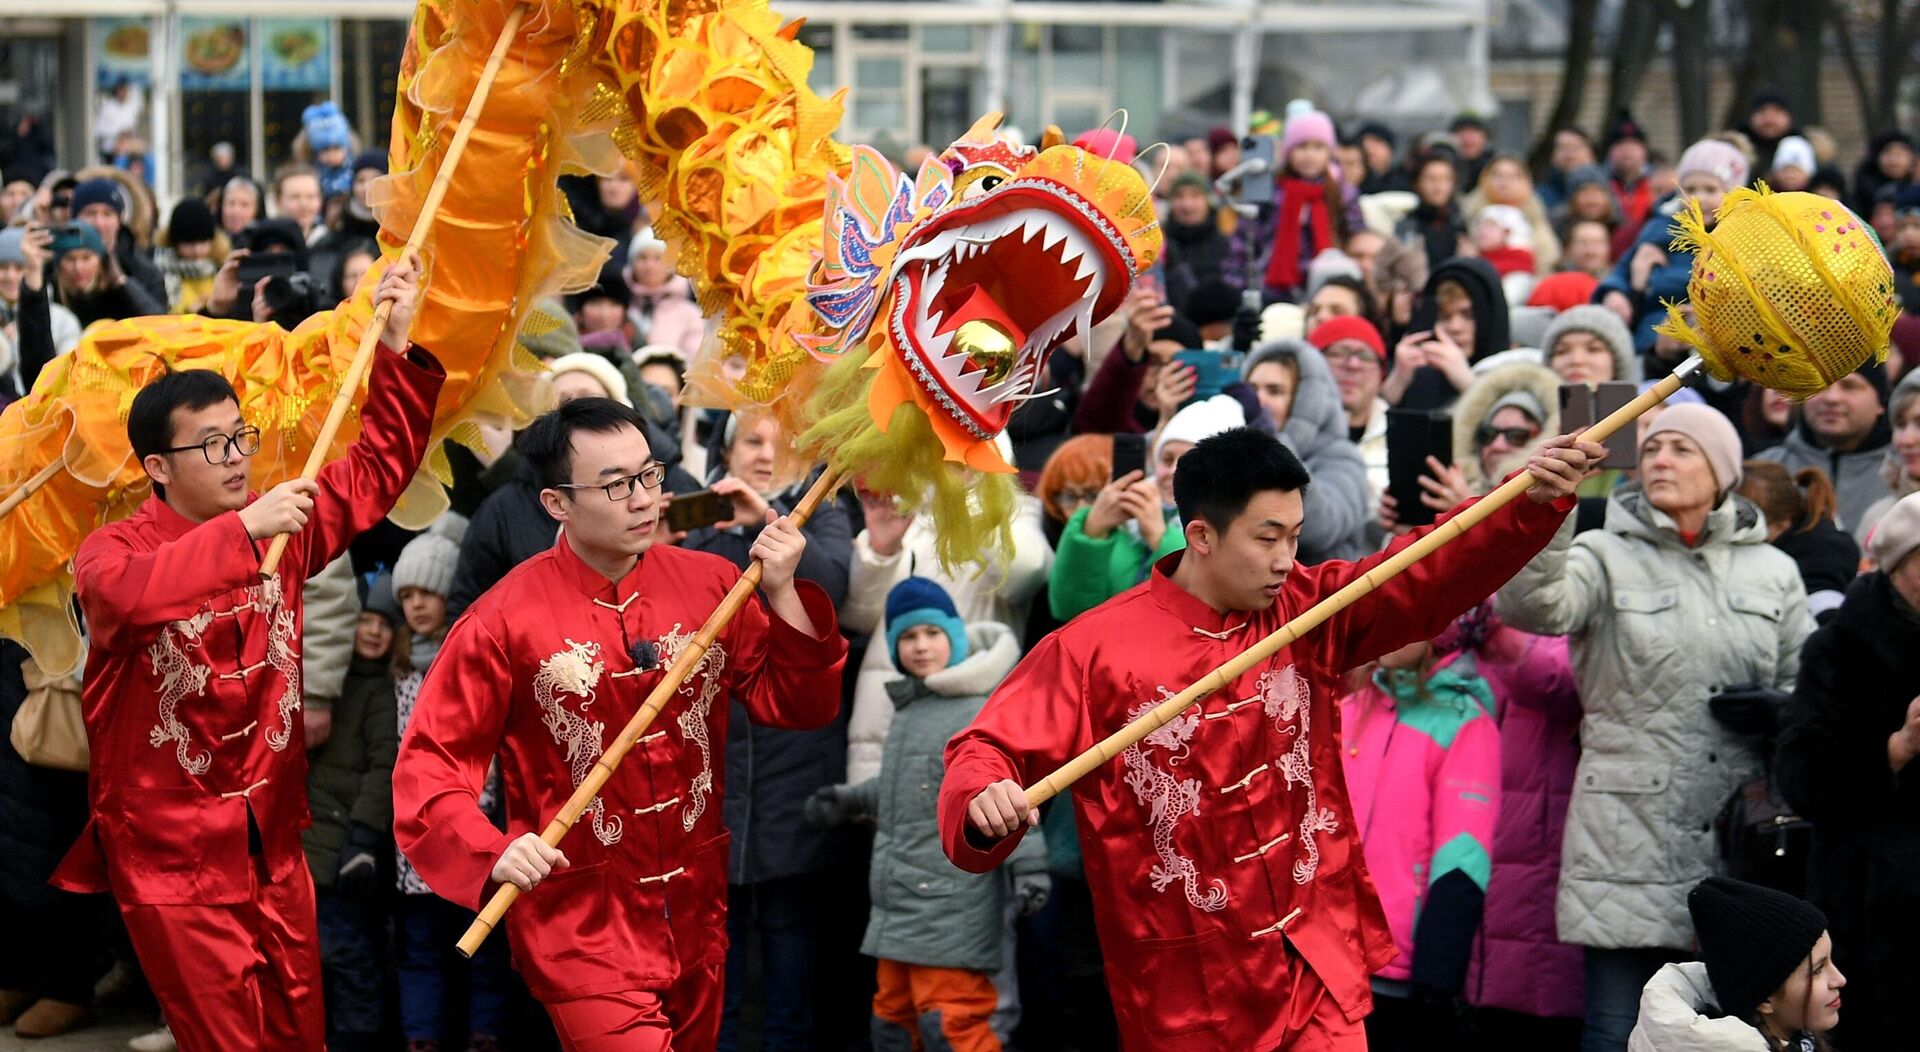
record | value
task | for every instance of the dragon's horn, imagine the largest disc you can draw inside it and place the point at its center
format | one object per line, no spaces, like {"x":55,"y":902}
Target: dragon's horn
{"x":983,"y":129}
{"x":1052,"y":137}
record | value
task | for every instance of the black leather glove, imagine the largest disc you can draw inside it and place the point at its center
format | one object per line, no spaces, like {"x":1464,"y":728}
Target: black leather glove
{"x":1748,"y":709}
{"x":359,"y":875}
{"x":1246,"y":327}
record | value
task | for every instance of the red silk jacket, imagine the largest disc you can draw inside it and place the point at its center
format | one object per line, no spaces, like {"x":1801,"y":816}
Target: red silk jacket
{"x":541,"y":672}
{"x":192,"y":690}
{"x":1227,"y":833}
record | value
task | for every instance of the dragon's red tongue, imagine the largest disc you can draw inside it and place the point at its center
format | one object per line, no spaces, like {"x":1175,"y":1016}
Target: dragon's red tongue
{"x":979,"y":306}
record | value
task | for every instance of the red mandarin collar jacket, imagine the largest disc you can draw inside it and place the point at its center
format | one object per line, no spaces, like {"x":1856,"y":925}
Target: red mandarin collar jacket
{"x":541,"y":672}
{"x":1227,"y":833}
{"x":192,"y":692}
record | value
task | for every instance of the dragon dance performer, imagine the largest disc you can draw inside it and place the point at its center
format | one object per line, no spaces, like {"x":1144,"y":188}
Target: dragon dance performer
{"x":1233,"y":904}
{"x":192,"y":693}
{"x":623,"y":936}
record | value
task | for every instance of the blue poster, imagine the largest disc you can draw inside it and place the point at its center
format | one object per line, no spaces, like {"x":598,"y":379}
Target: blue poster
{"x":120,"y":51}
{"x":213,"y":54}
{"x":296,"y":54}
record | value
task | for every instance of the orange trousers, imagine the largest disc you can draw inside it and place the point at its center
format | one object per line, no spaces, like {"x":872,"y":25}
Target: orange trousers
{"x":927,"y":1009}
{"x":685,"y":1017}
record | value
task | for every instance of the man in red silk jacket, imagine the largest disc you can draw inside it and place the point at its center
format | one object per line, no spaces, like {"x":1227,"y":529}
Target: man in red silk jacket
{"x":623,"y":936}
{"x":1232,"y":901}
{"x":192,"y":693}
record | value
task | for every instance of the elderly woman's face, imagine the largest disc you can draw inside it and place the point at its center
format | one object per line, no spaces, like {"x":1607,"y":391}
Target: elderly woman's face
{"x":1675,"y":474}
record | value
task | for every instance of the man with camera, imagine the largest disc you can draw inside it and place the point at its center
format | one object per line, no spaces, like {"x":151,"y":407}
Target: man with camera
{"x":192,"y":696}
{"x":268,"y":271}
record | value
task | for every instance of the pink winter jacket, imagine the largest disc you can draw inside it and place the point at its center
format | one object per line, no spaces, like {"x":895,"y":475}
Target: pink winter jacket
{"x":1424,"y":776}
{"x":666,"y":314}
{"x":1519,"y":962}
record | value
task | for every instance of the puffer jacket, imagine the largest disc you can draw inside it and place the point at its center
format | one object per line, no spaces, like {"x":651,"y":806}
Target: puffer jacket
{"x":1519,"y":962}
{"x":981,"y":591}
{"x":1471,"y":411}
{"x":1665,"y":282}
{"x":1423,"y":770}
{"x":1677,"y":1014}
{"x":1655,"y":628}
{"x":1337,"y":506}
{"x":926,"y":911}
{"x":350,"y":776}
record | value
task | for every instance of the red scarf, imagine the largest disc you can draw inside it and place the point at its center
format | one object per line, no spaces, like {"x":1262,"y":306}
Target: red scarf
{"x":1297,"y":196}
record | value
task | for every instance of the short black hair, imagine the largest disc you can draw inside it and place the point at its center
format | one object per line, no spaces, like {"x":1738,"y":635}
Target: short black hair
{"x":150,"y":419}
{"x":547,"y":443}
{"x":1219,"y":476}
{"x":1369,"y":307}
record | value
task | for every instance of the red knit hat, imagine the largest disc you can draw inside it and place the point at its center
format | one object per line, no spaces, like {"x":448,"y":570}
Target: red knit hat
{"x":1563,"y":291}
{"x":1348,"y":327}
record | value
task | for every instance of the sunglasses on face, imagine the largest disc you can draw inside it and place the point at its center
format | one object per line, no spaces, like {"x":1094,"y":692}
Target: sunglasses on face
{"x":1514,"y":436}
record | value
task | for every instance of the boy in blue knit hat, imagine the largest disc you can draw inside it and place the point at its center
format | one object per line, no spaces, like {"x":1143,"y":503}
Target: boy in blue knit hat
{"x":935,"y":930}
{"x":330,"y":138}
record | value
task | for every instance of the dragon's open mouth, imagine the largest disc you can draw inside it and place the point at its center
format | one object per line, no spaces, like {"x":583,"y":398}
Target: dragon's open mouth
{"x":983,"y":293}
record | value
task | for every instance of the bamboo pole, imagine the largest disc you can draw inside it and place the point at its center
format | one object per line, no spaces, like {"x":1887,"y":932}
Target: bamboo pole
{"x":1152,"y":720}
{"x":370,"y":339}
{"x":28,"y":488}
{"x":669,"y":685}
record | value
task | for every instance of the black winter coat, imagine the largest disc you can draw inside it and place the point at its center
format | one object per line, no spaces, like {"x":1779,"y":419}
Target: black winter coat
{"x":350,"y":776}
{"x":772,"y":772}
{"x":42,"y":811}
{"x":1829,"y":560}
{"x":1858,"y":675}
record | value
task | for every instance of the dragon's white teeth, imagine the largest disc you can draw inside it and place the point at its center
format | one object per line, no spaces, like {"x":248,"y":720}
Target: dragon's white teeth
{"x":1056,"y":233}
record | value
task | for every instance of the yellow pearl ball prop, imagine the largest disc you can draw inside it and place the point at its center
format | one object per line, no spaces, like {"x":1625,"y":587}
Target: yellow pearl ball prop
{"x":987,"y":344}
{"x":1790,"y":291}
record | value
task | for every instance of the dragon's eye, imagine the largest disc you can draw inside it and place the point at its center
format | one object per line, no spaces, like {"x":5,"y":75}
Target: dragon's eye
{"x":990,"y":182}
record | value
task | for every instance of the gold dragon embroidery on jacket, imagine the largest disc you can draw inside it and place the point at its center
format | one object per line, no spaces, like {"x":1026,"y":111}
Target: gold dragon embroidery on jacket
{"x":576,"y":671}
{"x":693,"y":722}
{"x":181,"y":677}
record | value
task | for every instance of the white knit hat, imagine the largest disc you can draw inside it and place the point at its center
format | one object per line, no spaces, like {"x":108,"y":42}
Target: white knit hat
{"x":428,"y":561}
{"x":596,"y":366}
{"x":1794,"y":151}
{"x":1202,"y":420}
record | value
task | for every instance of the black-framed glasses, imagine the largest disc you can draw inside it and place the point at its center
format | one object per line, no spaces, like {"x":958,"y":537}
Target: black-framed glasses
{"x":1515,"y":436}
{"x":621,"y":488}
{"x":217,"y":448}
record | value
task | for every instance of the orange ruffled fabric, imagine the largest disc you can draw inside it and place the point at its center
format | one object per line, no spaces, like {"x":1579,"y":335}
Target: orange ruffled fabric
{"x":501,"y":241}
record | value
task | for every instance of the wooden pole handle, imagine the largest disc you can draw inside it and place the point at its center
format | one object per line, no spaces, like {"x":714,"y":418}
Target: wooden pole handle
{"x":370,"y":339}
{"x":28,"y":488}
{"x":1157,"y":717}
{"x":669,"y":685}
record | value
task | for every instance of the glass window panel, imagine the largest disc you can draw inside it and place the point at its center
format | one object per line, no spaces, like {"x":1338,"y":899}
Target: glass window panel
{"x":879,"y":112}
{"x":1079,"y":57}
{"x":870,"y":31}
{"x":885,"y":73}
{"x":946,"y":39}
{"x":947,"y":106}
{"x":822,"y":78}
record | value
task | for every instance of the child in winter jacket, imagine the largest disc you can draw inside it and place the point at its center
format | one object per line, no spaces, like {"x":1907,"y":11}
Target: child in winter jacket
{"x":936,"y":930}
{"x":428,"y":925}
{"x":1766,"y":981}
{"x":350,"y":792}
{"x":1312,"y":212}
{"x":1423,"y":770}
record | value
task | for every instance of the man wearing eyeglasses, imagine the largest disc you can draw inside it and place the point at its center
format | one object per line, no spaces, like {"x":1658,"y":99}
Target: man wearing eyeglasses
{"x":192,"y":694}
{"x":623,"y":933}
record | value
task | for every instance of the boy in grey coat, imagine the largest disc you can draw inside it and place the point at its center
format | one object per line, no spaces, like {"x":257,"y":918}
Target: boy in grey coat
{"x":935,"y":929}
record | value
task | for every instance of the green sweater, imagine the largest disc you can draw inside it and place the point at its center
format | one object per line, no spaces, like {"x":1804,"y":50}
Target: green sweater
{"x":1088,"y":571}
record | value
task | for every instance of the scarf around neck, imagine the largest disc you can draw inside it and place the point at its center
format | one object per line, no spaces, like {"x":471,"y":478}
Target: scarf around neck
{"x":1298,"y":198}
